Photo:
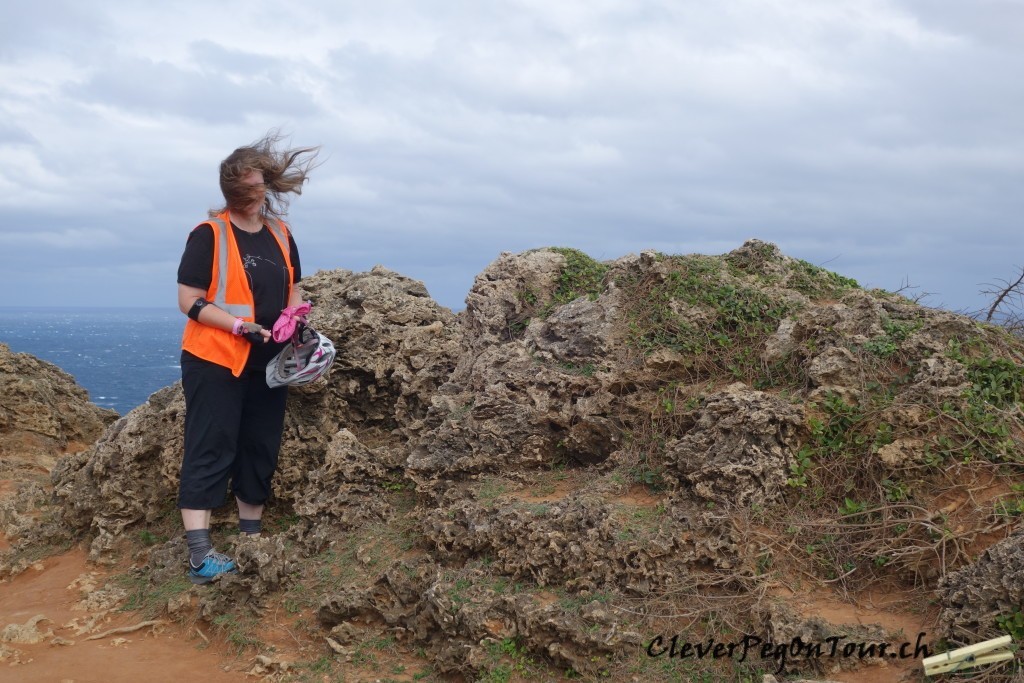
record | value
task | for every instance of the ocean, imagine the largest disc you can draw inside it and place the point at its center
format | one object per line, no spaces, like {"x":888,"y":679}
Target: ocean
{"x":119,"y":355}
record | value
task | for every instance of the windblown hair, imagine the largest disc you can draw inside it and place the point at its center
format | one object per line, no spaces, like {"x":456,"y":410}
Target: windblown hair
{"x":284,"y":172}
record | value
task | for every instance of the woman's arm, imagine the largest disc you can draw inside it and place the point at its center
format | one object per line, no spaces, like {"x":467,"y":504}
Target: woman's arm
{"x":209,"y":315}
{"x":295,"y":299}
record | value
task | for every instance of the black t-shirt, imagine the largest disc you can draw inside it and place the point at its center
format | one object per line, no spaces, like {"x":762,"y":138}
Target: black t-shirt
{"x":264,"y":268}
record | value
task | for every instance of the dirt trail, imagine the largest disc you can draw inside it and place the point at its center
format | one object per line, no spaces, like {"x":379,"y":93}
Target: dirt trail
{"x":53,"y":589}
{"x":885,"y":609}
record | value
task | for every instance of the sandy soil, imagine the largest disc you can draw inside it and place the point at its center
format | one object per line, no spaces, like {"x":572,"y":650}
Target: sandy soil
{"x":53,"y":589}
{"x":885,"y":609}
{"x":46,"y":623}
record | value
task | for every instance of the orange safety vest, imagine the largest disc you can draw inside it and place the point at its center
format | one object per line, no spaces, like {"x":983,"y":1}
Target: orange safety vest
{"x":229,"y":290}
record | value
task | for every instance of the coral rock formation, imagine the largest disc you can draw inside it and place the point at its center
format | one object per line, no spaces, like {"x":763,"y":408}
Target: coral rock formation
{"x":591,"y":445}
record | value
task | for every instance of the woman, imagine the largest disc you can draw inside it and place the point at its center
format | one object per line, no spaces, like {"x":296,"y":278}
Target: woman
{"x":237,"y":274}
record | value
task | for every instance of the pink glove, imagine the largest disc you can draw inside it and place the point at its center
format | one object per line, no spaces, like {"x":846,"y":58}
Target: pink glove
{"x":284,"y":328}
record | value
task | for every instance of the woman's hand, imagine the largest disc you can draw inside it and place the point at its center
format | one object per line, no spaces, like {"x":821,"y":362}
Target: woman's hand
{"x":289,"y":319}
{"x":255,"y":333}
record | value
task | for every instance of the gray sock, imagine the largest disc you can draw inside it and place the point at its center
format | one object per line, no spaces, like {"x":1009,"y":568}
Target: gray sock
{"x":199,"y":544}
{"x":249,"y":526}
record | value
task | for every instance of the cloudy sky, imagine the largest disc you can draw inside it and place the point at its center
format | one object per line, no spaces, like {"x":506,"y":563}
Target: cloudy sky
{"x":883,"y":139}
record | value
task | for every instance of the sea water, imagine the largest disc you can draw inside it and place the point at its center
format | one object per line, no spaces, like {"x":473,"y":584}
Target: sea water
{"x":119,"y":355}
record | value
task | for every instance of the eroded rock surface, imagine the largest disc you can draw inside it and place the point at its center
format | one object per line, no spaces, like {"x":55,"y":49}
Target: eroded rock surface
{"x":976,"y":597}
{"x":395,"y":345}
{"x":740,"y":448}
{"x":44,"y":413}
{"x":477,"y":473}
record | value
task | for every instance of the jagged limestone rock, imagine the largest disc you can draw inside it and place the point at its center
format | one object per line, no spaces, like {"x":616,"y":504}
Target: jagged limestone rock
{"x":394,"y":347}
{"x":44,"y":413}
{"x":990,"y":588}
{"x":695,"y":379}
{"x":740,"y":448}
{"x":128,"y":476}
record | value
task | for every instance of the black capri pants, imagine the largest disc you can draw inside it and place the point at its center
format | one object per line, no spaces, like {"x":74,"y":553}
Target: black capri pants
{"x":233,"y":429}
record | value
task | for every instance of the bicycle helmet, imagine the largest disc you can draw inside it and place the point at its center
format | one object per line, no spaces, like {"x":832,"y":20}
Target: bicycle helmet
{"x":306,"y":358}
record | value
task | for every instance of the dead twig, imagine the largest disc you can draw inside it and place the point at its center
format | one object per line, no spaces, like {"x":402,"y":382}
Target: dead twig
{"x":1001,"y":293}
{"x":127,"y":629}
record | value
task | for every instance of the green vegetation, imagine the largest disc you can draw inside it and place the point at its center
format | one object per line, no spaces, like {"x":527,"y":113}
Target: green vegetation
{"x":147,"y":597}
{"x":148,"y":538}
{"x":817,"y":282}
{"x":1013,"y":505}
{"x":528,"y":296}
{"x":1012,"y":624}
{"x":865,"y":512}
{"x":896,"y":332}
{"x":279,"y":522}
{"x":573,"y":603}
{"x":366,"y":651}
{"x":580,"y":276}
{"x":766,"y":264}
{"x":645,"y":668}
{"x":844,"y":431}
{"x":641,"y":522}
{"x":989,"y":421}
{"x":238,"y":630}
{"x":314,"y":671}
{"x":490,"y":490}
{"x":458,"y":593}
{"x":696,"y":309}
{"x":585,"y":370}
{"x":799,"y":467}
{"x":860,"y":517}
{"x":507,"y":658}
{"x":651,"y":477}
{"x":995,"y":381}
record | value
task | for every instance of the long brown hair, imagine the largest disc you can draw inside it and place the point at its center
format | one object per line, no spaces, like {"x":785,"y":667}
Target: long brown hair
{"x":284,"y":172}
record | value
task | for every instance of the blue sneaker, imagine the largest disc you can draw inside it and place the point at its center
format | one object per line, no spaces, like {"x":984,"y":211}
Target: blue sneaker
{"x":214,"y":564}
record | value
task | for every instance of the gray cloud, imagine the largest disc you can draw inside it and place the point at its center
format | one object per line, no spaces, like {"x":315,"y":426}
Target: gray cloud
{"x":43,"y":27}
{"x":202,"y":94}
{"x":880,"y":137}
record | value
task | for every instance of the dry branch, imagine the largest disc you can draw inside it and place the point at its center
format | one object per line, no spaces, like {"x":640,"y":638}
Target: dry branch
{"x":1001,"y":294}
{"x":127,"y":629}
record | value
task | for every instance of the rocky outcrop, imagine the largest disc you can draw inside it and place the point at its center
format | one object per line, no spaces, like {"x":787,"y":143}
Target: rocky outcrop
{"x":43,"y":411}
{"x":465,"y":617}
{"x":128,"y":476}
{"x":395,"y":346}
{"x":527,"y":389}
{"x":978,"y":597}
{"x":447,"y":458}
{"x":739,"y":449}
{"x":44,"y":415}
